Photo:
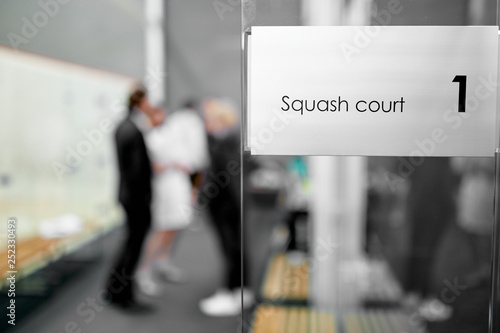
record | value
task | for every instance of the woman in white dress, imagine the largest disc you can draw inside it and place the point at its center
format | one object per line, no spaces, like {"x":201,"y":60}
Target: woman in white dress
{"x":178,"y":149}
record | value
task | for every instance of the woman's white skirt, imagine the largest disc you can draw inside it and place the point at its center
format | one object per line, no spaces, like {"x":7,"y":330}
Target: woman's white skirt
{"x":171,"y":207}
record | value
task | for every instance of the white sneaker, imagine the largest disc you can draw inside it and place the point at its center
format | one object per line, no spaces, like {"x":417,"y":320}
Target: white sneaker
{"x":435,"y":310}
{"x":147,"y":285}
{"x":222,"y":303}
{"x":171,"y":273}
{"x":248,"y":297}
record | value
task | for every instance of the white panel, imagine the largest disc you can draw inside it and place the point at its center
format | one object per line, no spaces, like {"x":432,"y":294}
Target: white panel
{"x":409,"y":69}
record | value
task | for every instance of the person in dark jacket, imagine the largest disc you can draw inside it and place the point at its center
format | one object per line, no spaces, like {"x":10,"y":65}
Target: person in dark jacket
{"x":221,"y":192}
{"x":134,"y":194}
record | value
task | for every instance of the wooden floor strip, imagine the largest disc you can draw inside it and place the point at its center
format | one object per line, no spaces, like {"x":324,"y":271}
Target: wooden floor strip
{"x":283,"y":319}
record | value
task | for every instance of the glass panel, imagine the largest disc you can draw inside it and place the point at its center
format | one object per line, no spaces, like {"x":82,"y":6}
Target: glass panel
{"x":367,"y":244}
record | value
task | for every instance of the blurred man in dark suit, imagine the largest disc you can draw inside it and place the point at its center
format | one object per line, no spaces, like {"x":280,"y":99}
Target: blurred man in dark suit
{"x":135,"y":196}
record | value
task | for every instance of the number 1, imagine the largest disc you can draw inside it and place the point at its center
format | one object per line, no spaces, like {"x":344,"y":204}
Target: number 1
{"x":462,"y":86}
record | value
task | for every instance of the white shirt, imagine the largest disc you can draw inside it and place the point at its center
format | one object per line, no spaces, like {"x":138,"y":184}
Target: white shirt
{"x":180,"y":139}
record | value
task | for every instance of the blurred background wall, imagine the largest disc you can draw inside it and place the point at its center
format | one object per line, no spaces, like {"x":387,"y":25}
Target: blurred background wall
{"x":203,"y":50}
{"x":107,"y":34}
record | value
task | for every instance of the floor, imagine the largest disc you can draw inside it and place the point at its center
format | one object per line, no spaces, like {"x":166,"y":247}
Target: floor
{"x":175,"y":311}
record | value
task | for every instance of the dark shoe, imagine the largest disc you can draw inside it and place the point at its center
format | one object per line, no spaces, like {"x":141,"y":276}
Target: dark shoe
{"x":480,"y":277}
{"x":132,"y":306}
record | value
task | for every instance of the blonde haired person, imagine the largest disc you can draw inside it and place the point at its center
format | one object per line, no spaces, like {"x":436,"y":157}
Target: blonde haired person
{"x":221,"y":122}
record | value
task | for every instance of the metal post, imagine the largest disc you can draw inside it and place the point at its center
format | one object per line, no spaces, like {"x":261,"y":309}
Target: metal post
{"x":495,"y":253}
{"x":155,"y":51}
{"x":494,"y":320}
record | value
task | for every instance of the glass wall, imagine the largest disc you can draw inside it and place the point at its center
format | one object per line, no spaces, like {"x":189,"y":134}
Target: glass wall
{"x":374,"y":243}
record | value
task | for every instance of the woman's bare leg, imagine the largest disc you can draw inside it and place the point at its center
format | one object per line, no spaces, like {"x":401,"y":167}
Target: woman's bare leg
{"x":166,"y":240}
{"x":150,"y":252}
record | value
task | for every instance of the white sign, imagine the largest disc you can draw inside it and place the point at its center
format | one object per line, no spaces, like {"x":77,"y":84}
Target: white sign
{"x":375,"y":91}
